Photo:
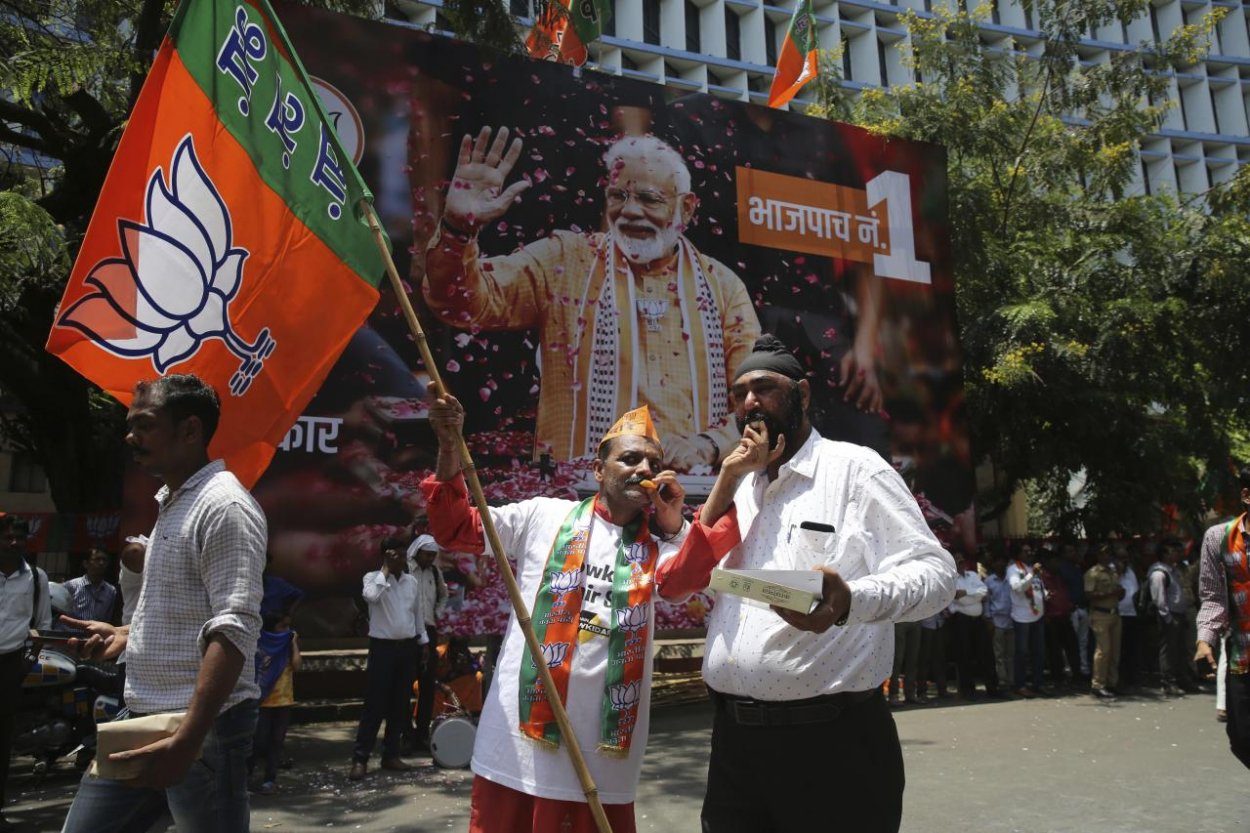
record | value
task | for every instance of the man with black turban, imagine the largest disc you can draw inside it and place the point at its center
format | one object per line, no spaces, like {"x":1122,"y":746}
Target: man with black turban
{"x":800,"y":693}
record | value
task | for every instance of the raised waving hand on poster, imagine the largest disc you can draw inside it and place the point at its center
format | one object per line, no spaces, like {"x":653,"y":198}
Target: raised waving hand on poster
{"x":477,"y":195}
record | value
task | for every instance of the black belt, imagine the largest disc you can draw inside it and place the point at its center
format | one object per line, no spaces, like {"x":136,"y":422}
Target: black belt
{"x":1104,"y":609}
{"x":748,"y":712}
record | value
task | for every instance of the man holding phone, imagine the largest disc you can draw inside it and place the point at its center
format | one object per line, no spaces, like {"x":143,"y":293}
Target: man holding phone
{"x":802,"y":691}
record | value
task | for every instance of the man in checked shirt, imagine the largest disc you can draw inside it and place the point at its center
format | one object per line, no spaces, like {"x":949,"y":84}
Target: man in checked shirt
{"x":189,"y":646}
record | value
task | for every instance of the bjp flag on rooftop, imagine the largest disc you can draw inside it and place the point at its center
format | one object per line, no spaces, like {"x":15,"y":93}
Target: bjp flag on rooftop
{"x":229,"y":240}
{"x":796,"y":65}
{"x":553,"y":38}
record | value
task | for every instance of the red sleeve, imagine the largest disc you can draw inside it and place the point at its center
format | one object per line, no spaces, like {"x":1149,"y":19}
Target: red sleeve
{"x":454,"y":523}
{"x":690,"y":570}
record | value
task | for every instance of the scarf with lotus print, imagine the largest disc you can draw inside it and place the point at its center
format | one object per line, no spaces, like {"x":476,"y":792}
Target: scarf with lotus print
{"x":557,"y":625}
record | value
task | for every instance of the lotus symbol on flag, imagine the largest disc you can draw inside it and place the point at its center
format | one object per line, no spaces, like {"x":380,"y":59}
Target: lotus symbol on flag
{"x":625,"y":695}
{"x":632,"y":618}
{"x":554,"y":654}
{"x":565,"y":582}
{"x":171,"y":289}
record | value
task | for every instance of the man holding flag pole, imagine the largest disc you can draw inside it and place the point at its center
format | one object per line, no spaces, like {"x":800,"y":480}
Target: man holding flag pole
{"x":230,"y":217}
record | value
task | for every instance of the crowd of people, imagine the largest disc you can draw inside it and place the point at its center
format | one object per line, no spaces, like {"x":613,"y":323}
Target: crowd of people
{"x":1033,"y":617}
{"x":209,"y":634}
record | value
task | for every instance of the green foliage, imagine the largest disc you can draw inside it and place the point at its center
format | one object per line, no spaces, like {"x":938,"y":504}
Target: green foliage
{"x":486,"y":23}
{"x":1102,"y":332}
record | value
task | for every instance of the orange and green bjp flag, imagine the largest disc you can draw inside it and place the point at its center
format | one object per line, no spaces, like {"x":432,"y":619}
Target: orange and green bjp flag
{"x":553,"y":38}
{"x":564,"y":27}
{"x":797,"y":63}
{"x":228,"y":241}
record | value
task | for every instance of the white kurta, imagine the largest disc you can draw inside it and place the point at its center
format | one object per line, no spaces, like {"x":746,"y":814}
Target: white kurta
{"x":502,"y":753}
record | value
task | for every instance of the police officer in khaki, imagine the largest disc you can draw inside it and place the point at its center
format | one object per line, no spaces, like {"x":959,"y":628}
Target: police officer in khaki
{"x":1103,"y":590}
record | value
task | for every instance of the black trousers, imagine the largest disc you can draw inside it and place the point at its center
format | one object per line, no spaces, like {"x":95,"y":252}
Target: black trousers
{"x":1237,"y":704}
{"x":1174,"y":651}
{"x":1132,"y":660}
{"x":12,"y":672}
{"x":271,"y":726}
{"x":391,"y":668}
{"x":427,"y":678}
{"x":842,"y":776}
{"x":1060,"y":644}
{"x":974,"y":655}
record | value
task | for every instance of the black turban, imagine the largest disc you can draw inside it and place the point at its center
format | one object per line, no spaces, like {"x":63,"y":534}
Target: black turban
{"x":770,"y":354}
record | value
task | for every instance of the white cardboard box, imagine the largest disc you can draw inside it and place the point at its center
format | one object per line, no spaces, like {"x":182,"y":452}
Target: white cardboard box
{"x":797,"y":590}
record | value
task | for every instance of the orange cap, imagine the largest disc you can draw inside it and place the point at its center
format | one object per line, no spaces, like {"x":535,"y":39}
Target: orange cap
{"x":637,"y":422}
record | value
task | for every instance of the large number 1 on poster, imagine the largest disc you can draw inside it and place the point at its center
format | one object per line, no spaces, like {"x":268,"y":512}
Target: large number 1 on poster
{"x":900,"y":263}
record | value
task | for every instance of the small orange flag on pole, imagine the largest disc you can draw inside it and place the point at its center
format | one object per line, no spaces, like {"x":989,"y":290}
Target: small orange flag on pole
{"x":554,"y":38}
{"x":797,"y":63}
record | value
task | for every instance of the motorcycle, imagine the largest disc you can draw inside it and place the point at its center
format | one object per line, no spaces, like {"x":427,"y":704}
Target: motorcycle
{"x":62,"y":701}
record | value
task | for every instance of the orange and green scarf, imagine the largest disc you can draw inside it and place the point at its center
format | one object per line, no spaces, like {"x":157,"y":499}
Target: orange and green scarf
{"x":1237,"y":571}
{"x":557,"y":614}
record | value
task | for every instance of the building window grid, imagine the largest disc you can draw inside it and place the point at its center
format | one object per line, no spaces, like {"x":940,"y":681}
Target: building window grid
{"x":770,"y":41}
{"x":652,"y":35}
{"x":651,"y":22}
{"x":693,"y":34}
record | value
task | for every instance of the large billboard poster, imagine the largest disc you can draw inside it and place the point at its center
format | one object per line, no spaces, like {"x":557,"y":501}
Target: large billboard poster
{"x":654,"y":234}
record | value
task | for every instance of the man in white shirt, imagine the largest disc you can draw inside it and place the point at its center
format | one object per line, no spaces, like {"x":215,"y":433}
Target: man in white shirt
{"x":802,"y":737}
{"x":24,"y":604}
{"x":397,"y":639}
{"x":191,"y":643}
{"x":969,"y":635}
{"x":589,"y":566}
{"x":130,"y":574}
{"x":422,"y":553}
{"x":1028,"y":600}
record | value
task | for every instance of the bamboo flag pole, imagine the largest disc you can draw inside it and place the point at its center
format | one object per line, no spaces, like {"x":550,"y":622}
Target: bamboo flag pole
{"x":492,"y":535}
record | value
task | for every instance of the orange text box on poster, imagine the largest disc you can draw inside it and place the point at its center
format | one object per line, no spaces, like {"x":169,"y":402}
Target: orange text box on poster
{"x":802,"y":215}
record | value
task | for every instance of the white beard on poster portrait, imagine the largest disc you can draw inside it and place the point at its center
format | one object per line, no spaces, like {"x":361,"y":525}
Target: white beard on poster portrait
{"x":656,"y":243}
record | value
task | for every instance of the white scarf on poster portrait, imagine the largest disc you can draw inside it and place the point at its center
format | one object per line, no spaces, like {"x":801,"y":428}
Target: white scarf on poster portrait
{"x":610,"y":377}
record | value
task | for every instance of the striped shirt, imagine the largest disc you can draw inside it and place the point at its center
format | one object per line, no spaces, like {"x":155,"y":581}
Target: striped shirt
{"x":201,"y":578}
{"x":92,"y":601}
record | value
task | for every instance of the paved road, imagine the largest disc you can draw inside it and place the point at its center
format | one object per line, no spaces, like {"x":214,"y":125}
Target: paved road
{"x":1064,"y":765}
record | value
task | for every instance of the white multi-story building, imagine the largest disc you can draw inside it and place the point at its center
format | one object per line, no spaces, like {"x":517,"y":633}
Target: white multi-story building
{"x":729,"y":47}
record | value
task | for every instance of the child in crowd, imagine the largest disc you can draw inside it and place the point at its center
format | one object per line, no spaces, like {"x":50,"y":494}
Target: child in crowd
{"x":277,"y":660}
